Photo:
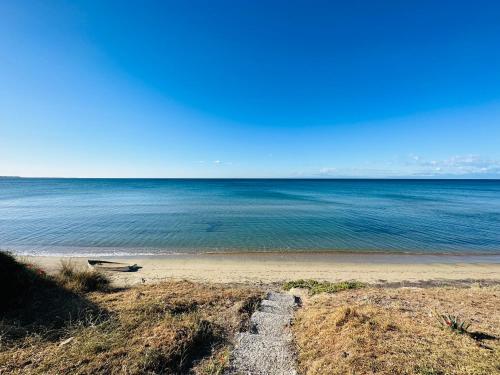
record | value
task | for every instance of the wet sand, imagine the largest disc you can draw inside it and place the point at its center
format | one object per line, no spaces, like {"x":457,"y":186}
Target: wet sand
{"x":277,"y":267}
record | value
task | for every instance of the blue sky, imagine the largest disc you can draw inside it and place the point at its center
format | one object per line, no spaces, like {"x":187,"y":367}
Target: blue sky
{"x":250,"y":88}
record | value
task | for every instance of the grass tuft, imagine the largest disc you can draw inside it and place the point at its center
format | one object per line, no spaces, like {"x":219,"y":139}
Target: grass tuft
{"x":81,"y":280}
{"x":316,"y":287}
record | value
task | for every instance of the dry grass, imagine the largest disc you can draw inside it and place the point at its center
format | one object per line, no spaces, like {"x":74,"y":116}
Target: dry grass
{"x":395,"y":331}
{"x":167,"y":328}
{"x":215,"y":364}
{"x":17,"y":281}
{"x":81,"y":280}
{"x":35,"y":305}
{"x":56,"y":325}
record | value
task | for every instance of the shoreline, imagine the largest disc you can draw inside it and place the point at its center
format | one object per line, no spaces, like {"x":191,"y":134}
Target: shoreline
{"x":278,"y":267}
{"x":114,"y":252}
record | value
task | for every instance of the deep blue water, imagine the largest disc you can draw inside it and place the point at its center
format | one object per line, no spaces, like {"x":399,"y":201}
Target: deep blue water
{"x":107,"y":216}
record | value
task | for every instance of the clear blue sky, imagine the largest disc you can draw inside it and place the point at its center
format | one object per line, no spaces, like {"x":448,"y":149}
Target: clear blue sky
{"x":250,"y":88}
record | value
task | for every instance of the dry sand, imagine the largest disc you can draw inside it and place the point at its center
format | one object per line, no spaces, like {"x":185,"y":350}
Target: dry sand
{"x":277,"y":267}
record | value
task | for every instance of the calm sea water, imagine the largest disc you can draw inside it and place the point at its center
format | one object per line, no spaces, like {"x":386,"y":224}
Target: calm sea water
{"x":119,"y":217}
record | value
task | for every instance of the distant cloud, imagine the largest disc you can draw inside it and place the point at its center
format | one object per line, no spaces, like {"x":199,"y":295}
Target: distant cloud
{"x":459,"y":165}
{"x":220,"y":162}
{"x":411,"y":166}
{"x":214,"y":162}
{"x":328,"y":171}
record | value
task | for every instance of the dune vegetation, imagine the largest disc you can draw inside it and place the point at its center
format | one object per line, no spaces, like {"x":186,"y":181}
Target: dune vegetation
{"x":75,"y":323}
{"x":414,"y":331}
{"x":315,"y":287}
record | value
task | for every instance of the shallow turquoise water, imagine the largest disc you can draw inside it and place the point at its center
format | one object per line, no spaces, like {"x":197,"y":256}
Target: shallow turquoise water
{"x":107,"y":216}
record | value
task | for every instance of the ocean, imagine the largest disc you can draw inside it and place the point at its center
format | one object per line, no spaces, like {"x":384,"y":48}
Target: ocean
{"x":167,"y":216}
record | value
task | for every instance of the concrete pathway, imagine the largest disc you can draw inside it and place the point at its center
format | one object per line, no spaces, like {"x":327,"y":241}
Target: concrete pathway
{"x":267,"y":348}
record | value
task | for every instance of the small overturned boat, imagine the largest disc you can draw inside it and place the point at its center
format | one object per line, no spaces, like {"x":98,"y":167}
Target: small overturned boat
{"x":104,"y":265}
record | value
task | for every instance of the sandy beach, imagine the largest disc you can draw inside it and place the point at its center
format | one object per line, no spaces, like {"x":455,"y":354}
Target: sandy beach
{"x":277,"y":267}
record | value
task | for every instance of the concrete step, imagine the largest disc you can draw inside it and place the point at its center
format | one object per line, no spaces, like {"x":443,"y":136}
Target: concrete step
{"x":267,"y":349}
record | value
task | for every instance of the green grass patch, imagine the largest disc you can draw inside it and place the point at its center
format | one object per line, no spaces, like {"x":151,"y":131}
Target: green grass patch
{"x":316,"y":287}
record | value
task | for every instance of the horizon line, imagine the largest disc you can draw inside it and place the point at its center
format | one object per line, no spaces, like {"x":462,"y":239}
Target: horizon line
{"x":260,"y":178}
